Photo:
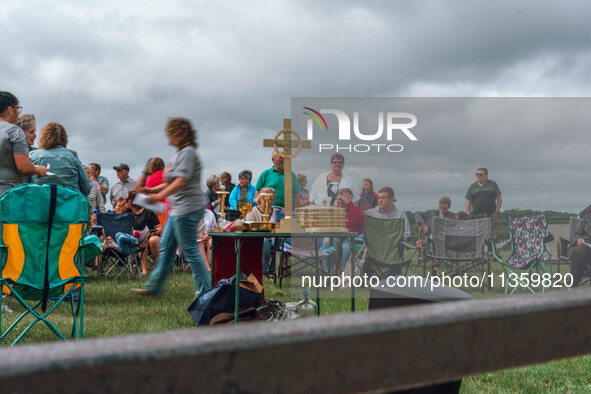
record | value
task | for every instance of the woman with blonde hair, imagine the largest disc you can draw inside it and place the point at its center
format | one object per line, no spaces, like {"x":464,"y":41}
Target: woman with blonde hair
{"x":187,"y":204}
{"x":62,"y":162}
{"x":28,"y":124}
{"x":325,"y":187}
{"x":256,"y":215}
{"x":211,"y":197}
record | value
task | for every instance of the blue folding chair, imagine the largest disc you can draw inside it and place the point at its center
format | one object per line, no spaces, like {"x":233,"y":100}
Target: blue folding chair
{"x":116,"y":259}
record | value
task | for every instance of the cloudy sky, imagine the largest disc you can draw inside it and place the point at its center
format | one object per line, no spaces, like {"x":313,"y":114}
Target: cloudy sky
{"x":112,"y":72}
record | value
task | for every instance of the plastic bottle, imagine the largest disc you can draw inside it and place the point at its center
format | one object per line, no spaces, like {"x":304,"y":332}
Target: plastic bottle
{"x":306,"y":307}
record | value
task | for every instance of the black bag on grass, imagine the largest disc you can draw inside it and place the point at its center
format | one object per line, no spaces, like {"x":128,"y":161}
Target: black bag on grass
{"x":221,"y":298}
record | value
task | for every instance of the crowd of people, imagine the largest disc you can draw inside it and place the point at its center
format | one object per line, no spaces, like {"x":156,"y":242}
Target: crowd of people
{"x":190,"y":213}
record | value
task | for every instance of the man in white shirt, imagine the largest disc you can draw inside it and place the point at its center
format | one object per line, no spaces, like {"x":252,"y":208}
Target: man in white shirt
{"x":124,"y":185}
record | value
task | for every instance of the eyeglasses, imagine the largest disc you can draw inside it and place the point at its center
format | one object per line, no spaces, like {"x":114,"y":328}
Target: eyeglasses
{"x":477,"y":174}
{"x":337,"y":162}
{"x":18,"y":109}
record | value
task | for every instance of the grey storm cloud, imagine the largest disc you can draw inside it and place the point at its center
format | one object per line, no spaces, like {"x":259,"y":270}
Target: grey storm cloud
{"x":532,"y":147}
{"x":113,"y":71}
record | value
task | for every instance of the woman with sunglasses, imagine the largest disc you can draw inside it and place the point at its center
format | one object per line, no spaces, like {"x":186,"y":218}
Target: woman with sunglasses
{"x":326,"y":186}
{"x":14,"y":151}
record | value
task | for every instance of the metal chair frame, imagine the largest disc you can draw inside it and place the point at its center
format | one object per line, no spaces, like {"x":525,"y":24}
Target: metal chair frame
{"x":456,"y":262}
{"x":537,"y":263}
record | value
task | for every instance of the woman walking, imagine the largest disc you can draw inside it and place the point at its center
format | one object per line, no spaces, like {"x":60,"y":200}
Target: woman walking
{"x":187,"y":203}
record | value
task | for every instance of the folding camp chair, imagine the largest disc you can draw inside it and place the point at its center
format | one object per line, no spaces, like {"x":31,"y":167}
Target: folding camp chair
{"x":299,"y":255}
{"x":383,"y":250}
{"x":457,"y":247}
{"x":42,"y":252}
{"x":529,"y":252}
{"x":115,"y":259}
{"x":564,"y":244}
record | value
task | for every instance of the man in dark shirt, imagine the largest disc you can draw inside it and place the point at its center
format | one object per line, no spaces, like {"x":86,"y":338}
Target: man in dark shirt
{"x":424,"y":219}
{"x":484,"y":196}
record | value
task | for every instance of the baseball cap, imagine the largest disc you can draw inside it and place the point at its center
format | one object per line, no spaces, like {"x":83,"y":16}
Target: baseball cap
{"x":121,"y":166}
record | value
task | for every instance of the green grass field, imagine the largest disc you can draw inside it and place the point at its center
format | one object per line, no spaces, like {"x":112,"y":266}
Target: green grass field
{"x":111,"y":310}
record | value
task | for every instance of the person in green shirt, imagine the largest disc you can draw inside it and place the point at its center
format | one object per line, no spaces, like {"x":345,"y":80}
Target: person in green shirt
{"x":273,"y":177}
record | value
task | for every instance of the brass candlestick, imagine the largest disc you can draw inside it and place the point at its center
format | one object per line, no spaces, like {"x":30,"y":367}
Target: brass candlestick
{"x":266,"y":197}
{"x":244,"y":208}
{"x":222,"y":194}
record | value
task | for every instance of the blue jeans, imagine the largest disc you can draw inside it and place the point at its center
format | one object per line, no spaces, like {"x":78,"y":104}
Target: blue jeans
{"x":329,"y":263}
{"x":267,"y":248}
{"x":126,"y":242}
{"x":180,"y":230}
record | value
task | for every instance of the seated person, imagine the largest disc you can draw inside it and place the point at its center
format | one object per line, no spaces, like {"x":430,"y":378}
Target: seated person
{"x":353,"y":220}
{"x":211,"y":197}
{"x":204,"y":241}
{"x":304,"y":194}
{"x":95,"y":198}
{"x":120,"y":207}
{"x":226,"y":181}
{"x":256,"y":215}
{"x":424,"y":219}
{"x":65,"y":164}
{"x":579,"y":252}
{"x":117,"y":208}
{"x":93,"y":218}
{"x":145,"y":221}
{"x":368,"y":199}
{"x":387,"y":210}
{"x":245,"y":192}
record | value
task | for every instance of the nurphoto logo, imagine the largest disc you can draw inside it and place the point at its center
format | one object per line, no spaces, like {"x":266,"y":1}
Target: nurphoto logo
{"x":394,"y":124}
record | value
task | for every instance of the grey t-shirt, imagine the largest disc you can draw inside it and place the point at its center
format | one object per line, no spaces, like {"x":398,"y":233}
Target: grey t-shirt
{"x":12,"y":142}
{"x":186,"y":164}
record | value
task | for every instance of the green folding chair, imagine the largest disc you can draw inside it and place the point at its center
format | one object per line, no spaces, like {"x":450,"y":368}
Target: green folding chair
{"x":42,"y":250}
{"x":385,"y":247}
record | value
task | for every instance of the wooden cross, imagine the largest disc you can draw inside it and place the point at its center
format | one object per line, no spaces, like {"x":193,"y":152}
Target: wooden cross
{"x":287,"y":225}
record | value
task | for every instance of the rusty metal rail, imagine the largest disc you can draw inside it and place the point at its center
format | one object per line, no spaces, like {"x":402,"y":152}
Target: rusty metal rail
{"x":374,"y":351}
